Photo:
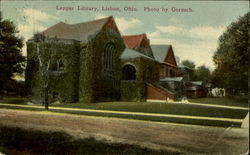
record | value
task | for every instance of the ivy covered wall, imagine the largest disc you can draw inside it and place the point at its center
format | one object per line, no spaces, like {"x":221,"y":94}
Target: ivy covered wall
{"x":63,"y":85}
{"x":147,"y":71}
{"x":94,"y":84}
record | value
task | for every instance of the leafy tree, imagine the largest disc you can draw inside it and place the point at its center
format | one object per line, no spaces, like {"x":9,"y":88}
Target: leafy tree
{"x":11,"y":59}
{"x":44,"y":59}
{"x":231,"y":57}
{"x":202,"y":73}
{"x":191,"y":65}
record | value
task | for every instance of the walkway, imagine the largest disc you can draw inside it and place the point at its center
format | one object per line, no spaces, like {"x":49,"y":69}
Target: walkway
{"x":176,"y":138}
{"x":213,"y":105}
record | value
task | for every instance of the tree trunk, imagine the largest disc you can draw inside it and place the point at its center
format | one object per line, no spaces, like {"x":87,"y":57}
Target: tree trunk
{"x":1,"y":95}
{"x":46,"y":98}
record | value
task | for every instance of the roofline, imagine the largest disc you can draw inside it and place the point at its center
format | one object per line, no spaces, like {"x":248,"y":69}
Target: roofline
{"x":134,"y":35}
{"x":169,"y":64}
{"x":141,"y":56}
{"x":160,"y":45}
{"x":109,"y":17}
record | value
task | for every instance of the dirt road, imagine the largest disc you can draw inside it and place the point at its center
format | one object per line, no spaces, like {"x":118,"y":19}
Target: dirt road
{"x":181,"y":138}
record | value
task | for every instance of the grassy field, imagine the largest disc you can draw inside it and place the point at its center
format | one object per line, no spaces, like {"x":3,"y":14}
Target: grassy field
{"x":162,"y":108}
{"x":183,"y":120}
{"x":14,"y":100}
{"x":23,"y":141}
{"x":147,"y":107}
{"x":222,"y":101}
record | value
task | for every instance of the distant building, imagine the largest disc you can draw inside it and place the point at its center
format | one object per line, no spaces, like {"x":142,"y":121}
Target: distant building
{"x":184,"y":72}
{"x":169,"y":73}
{"x":165,"y":55}
{"x":196,"y":89}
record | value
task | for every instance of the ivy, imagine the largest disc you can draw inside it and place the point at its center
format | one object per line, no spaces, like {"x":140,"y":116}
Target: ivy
{"x":146,"y":72}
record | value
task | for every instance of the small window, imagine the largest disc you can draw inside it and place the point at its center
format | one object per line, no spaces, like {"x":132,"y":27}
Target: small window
{"x":111,"y":31}
{"x":57,"y":66}
{"x":172,"y":73}
{"x":60,"y":66}
{"x":128,"y":72}
{"x":167,"y":72}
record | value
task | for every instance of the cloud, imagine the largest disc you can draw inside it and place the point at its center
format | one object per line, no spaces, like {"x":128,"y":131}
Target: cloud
{"x":100,"y":16}
{"x":197,"y":32}
{"x":33,"y":14}
{"x":124,"y":24}
{"x":29,"y":27}
{"x":34,"y":21}
{"x":175,"y":20}
{"x":200,"y":47}
{"x":171,"y":29}
{"x":206,"y":32}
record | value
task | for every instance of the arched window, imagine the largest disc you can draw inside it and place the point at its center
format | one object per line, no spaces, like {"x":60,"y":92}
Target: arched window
{"x":108,"y":59}
{"x":128,"y":72}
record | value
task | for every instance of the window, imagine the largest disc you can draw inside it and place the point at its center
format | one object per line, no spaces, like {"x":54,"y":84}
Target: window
{"x":111,"y":31}
{"x":108,"y":59}
{"x":128,"y":72}
{"x":60,"y":66}
{"x":172,"y":73}
{"x":57,"y":66}
{"x":166,"y":72}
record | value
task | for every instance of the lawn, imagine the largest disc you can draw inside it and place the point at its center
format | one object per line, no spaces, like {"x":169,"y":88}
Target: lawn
{"x":14,"y":100}
{"x":183,"y":120}
{"x":147,"y":107}
{"x":162,"y":108}
{"x":239,"y":102}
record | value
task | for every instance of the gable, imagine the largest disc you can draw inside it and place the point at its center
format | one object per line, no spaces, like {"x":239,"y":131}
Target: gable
{"x":80,"y":32}
{"x":138,"y":43}
{"x":132,"y":41}
{"x":160,"y":52}
{"x":170,"y":58}
{"x":111,"y":24}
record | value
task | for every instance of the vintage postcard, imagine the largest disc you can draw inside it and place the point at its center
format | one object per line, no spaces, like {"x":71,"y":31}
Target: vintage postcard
{"x":124,"y":77}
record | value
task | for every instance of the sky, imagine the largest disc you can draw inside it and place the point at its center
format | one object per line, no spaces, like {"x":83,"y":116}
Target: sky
{"x":193,"y":31}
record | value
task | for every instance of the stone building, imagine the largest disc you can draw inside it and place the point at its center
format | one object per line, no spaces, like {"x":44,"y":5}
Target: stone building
{"x":92,"y":62}
{"x":86,"y":61}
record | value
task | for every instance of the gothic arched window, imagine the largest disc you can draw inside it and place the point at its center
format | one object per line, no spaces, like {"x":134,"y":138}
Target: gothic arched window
{"x":108,"y":59}
{"x":128,"y":72}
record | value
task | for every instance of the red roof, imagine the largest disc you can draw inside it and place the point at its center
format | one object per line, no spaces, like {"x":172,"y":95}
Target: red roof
{"x":133,"y":41}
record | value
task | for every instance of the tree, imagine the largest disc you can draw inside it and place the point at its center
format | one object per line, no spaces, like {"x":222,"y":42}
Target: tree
{"x":231,"y":57}
{"x":11,"y":59}
{"x":202,"y":73}
{"x":45,"y":53}
{"x":191,"y":65}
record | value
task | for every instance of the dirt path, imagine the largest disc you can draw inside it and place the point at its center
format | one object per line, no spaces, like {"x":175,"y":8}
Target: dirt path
{"x":183,"y":138}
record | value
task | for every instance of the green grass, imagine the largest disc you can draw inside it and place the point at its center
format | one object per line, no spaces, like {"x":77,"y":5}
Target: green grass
{"x":162,"y":108}
{"x":217,"y":123}
{"x":14,"y":100}
{"x":239,"y":102}
{"x":23,"y":141}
